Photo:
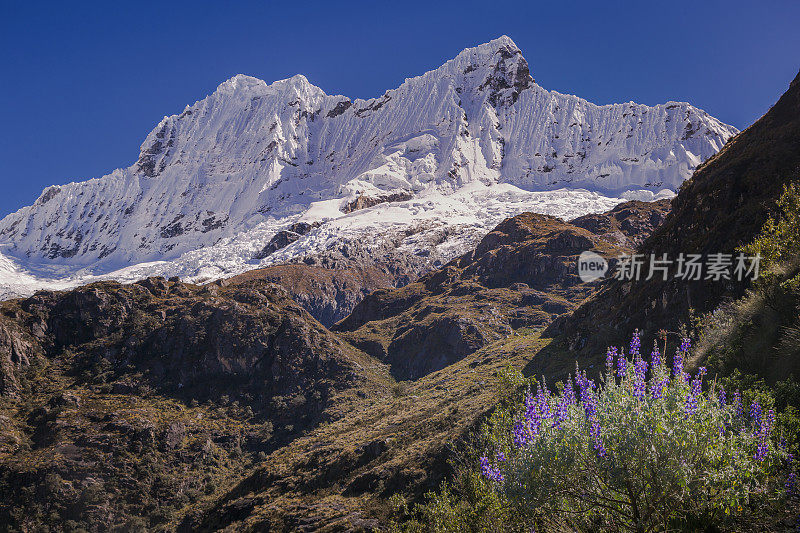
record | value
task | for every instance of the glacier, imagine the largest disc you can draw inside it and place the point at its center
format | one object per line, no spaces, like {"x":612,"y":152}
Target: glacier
{"x":422,"y":171}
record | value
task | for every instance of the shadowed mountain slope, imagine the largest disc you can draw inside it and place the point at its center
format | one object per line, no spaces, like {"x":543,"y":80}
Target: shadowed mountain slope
{"x":328,"y":294}
{"x":122,"y":404}
{"x":722,"y":207}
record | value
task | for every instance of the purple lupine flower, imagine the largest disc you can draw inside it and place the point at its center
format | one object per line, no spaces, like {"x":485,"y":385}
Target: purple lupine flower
{"x":567,"y":399}
{"x":636,"y":344}
{"x":589,"y":402}
{"x":685,"y":345}
{"x":639,"y":383}
{"x":611,"y":354}
{"x":588,"y":398}
{"x":597,"y":442}
{"x":542,"y":389}
{"x":678,"y":360}
{"x":521,"y":434}
{"x":590,"y":407}
{"x":543,"y":404}
{"x":537,"y":409}
{"x":690,"y":405}
{"x":530,"y":406}
{"x":568,"y":396}
{"x":583,"y":383}
{"x":657,"y":388}
{"x":761,"y":451}
{"x":534,"y":417}
{"x":764,"y":430}
{"x":561,"y":415}
{"x":721,"y":396}
{"x":622,"y":365}
{"x":490,"y":472}
{"x":500,"y":457}
{"x":677,"y":365}
{"x":528,"y":428}
{"x":655,"y":356}
{"x":770,"y":423}
{"x":737,"y":405}
{"x":755,"y":414}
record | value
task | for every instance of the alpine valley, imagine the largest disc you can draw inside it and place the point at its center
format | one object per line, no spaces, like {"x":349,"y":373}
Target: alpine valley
{"x":302,"y":312}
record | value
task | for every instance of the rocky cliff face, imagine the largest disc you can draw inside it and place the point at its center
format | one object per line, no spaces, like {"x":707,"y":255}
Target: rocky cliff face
{"x":214,"y":184}
{"x":17,"y":348}
{"x":628,"y":224}
{"x":121,"y":405}
{"x":248,"y":339}
{"x":329,"y":295}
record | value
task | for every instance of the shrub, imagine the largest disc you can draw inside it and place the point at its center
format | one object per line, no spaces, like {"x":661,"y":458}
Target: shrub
{"x":779,"y":239}
{"x":643,"y":449}
{"x":475,"y":508}
{"x":400,"y":389}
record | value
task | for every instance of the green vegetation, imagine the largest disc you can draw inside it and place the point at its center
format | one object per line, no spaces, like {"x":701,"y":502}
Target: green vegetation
{"x":760,"y":332}
{"x":779,"y":239}
{"x":629,"y":453}
{"x":688,"y":460}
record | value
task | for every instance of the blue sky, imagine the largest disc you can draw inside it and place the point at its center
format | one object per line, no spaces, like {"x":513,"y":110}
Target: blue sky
{"x":84,"y":82}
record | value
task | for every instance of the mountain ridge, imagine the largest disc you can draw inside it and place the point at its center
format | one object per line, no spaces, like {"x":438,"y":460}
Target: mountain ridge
{"x":221,"y":178}
{"x":720,"y":209}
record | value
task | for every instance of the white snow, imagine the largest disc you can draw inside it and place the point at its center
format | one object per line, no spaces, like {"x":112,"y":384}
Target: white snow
{"x":411,"y":227}
{"x":473,"y":142}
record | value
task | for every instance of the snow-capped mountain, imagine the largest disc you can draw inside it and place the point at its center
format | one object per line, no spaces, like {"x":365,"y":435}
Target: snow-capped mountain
{"x":214,"y":184}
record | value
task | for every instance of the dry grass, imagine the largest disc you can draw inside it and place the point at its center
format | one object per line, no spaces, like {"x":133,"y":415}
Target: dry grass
{"x":329,"y":477}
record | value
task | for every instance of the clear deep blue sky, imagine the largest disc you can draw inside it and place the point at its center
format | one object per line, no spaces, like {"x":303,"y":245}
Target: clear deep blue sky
{"x":82,"y":83}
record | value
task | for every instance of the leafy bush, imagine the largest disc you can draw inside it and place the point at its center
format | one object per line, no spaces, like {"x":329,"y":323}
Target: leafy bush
{"x":779,"y":239}
{"x":476,"y":507}
{"x":644,"y":449}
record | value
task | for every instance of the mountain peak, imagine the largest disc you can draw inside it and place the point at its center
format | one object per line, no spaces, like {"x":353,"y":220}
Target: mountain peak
{"x":252,"y":155}
{"x":483,"y":53}
{"x":240,"y":82}
{"x":495,"y":69}
{"x":244,"y":84}
{"x":298,"y":83}
{"x":504,"y":42}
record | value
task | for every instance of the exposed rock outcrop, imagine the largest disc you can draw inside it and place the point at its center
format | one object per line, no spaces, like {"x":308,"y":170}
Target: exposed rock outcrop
{"x":17,"y":349}
{"x":521,"y":274}
{"x":284,"y":238}
{"x":247,"y":339}
{"x":363,"y":201}
{"x":629,"y":223}
{"x":328,"y":294}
